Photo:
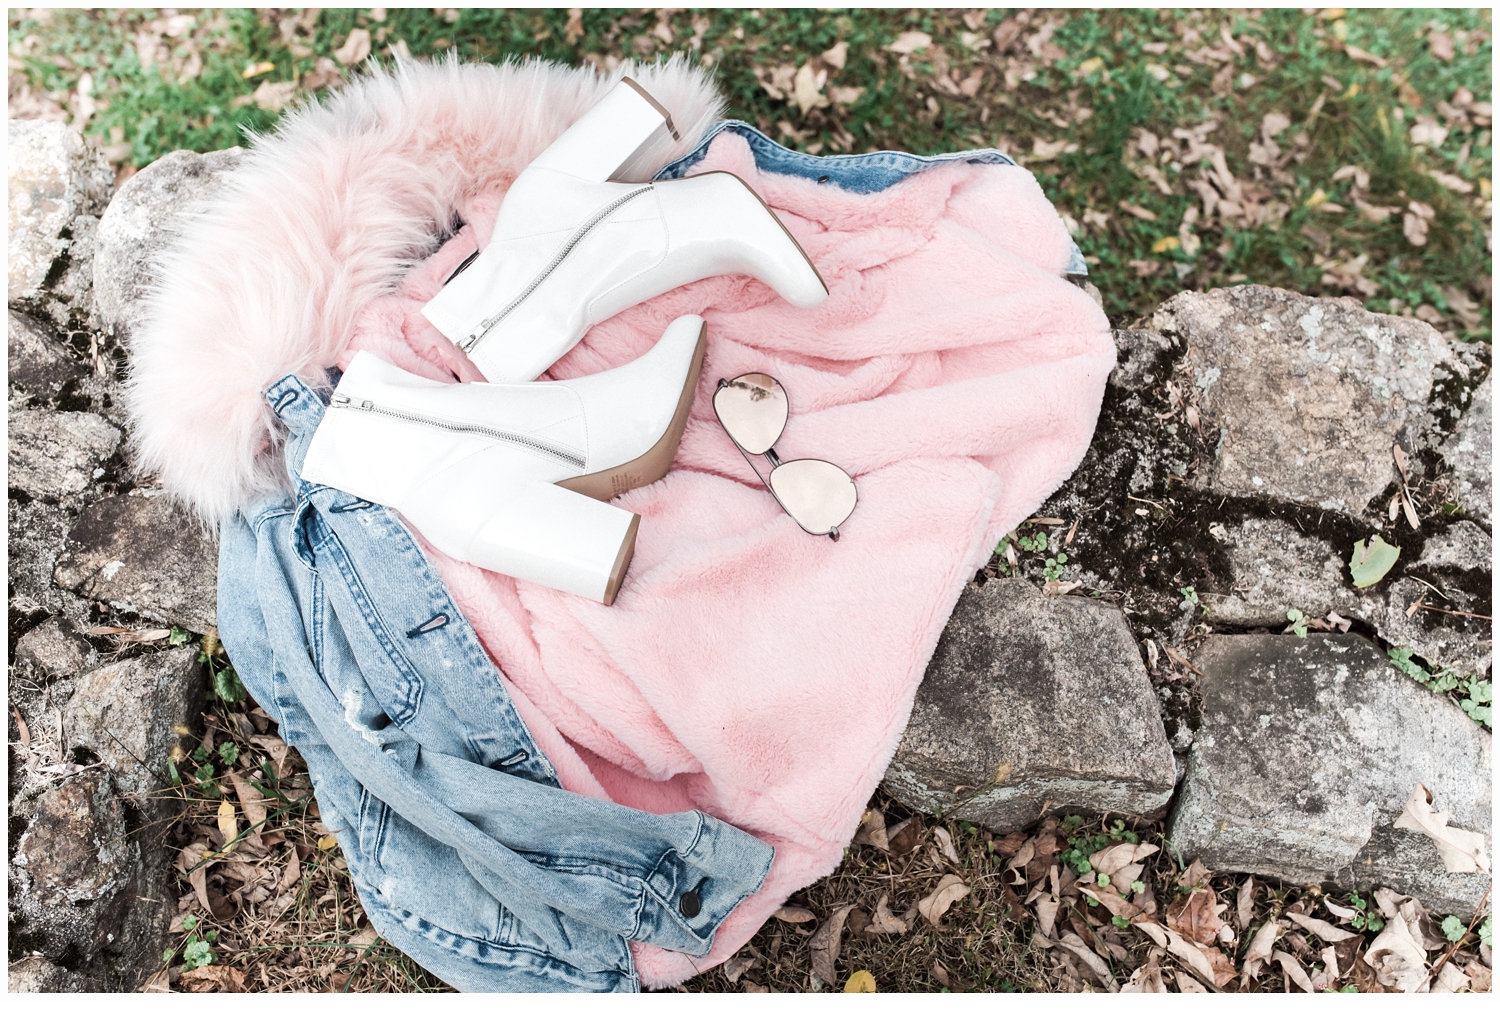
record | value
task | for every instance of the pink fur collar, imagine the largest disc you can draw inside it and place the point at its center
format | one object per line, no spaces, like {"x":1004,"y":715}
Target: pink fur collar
{"x":322,"y":216}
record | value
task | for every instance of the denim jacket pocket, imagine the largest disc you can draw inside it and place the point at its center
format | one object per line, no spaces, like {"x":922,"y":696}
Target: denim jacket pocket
{"x":405,"y":862}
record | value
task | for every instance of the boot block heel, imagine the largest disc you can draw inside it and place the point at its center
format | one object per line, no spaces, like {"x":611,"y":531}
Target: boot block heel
{"x":555,"y":537}
{"x":653,"y":464}
{"x":606,"y":138}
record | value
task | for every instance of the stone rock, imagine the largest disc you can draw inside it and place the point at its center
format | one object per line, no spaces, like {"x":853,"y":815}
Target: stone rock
{"x":1275,"y":566}
{"x":139,"y":555}
{"x":1463,"y":547}
{"x":38,"y":530}
{"x":1469,"y":453}
{"x":75,"y":867}
{"x":75,"y":285}
{"x":53,"y":176}
{"x":54,"y":649}
{"x":1306,"y":754}
{"x":124,"y":713}
{"x":38,"y":364}
{"x":1029,"y":699}
{"x":56,"y":453}
{"x":1307,"y":395}
{"x":1458,"y":642}
{"x":1140,"y":453}
{"x":75,"y":848}
{"x":37,"y":974}
{"x":141,"y":220}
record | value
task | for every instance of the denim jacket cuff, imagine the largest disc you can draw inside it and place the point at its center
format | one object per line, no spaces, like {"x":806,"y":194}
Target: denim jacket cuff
{"x":688,"y":893}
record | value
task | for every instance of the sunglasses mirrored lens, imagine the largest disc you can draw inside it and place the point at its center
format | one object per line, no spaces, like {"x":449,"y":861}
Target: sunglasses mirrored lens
{"x":816,"y":493}
{"x":752,"y":408}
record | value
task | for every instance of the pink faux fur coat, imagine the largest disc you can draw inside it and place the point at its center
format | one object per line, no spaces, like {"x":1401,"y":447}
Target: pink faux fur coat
{"x":746,"y":669}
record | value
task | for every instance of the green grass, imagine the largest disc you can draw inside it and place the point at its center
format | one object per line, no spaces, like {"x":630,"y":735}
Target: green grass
{"x":1070,"y":96}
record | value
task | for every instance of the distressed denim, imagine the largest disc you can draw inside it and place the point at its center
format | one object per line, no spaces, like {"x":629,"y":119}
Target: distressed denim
{"x":858,"y":173}
{"x":465,"y":850}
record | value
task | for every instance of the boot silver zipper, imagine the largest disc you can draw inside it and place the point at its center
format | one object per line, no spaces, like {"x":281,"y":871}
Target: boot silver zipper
{"x":478,"y":333}
{"x":525,"y":441}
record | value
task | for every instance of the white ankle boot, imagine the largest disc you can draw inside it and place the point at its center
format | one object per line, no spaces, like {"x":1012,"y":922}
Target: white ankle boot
{"x":513,"y":478}
{"x":571,"y":249}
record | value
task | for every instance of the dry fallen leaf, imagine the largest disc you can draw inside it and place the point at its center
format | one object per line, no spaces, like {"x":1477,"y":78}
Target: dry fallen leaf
{"x":355,"y":48}
{"x":883,"y":922}
{"x":825,"y":945}
{"x":188,"y":861}
{"x":793,"y":913}
{"x":251,"y":802}
{"x":1245,"y":903}
{"x":1112,"y":901}
{"x":1462,"y":851}
{"x":1045,"y":150}
{"x":807,"y":88}
{"x":904,"y":836}
{"x":860,"y":981}
{"x":273,"y":97}
{"x":1450,"y":979}
{"x":1339,"y":911}
{"x":872,"y":830}
{"x":1046,"y":916}
{"x":158,"y":982}
{"x":1453,"y":182}
{"x":735,"y":967}
{"x":1115,"y":858}
{"x":124,"y":635}
{"x":1023,"y":857}
{"x":1147,"y":978}
{"x":1398,"y":958}
{"x":1223,"y":969}
{"x":945,"y":844}
{"x":1317,"y":927}
{"x":1294,"y":971}
{"x":1074,"y":944}
{"x":278,"y":751}
{"x":213,"y":978}
{"x":1195,"y":874}
{"x":1123,"y":878}
{"x":228,"y":826}
{"x":292,"y":873}
{"x":1260,"y":948}
{"x":1153,"y":930}
{"x":1209,"y":962}
{"x":949,"y":890}
{"x":1188,"y":984}
{"x":910,"y":42}
{"x":1356,"y":53}
{"x":1195,"y":916}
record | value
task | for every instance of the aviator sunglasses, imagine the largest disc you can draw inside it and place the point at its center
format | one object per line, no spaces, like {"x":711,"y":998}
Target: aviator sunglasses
{"x":753,"y":410}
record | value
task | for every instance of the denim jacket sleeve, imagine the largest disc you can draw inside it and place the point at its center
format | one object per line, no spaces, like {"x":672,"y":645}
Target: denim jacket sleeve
{"x":343,"y":630}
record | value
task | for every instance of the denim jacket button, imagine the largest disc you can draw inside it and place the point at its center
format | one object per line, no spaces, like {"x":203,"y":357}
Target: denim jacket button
{"x":690,"y":904}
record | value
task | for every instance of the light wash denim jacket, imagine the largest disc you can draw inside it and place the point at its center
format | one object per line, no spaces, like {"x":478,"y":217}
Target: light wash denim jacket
{"x":465,"y":850}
